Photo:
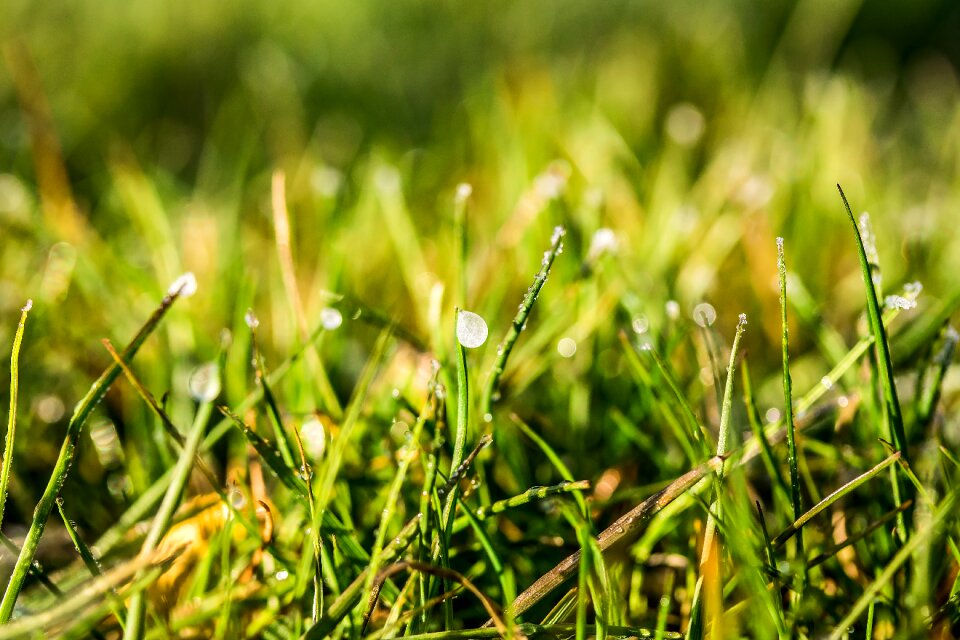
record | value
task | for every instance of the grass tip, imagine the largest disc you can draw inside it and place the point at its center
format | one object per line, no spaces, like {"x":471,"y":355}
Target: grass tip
{"x":184,"y":286}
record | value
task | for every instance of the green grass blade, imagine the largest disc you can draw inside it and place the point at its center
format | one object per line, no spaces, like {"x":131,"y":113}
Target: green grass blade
{"x":519,"y":321}
{"x":164,"y":516}
{"x":116,"y":604}
{"x":884,"y":362}
{"x":795,"y":497}
{"x":848,"y":487}
{"x":12,"y":419}
{"x":185,"y":285}
{"x":902,"y":556}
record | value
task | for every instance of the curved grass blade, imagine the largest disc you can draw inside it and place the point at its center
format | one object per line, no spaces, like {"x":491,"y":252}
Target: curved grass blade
{"x":621,"y":531}
{"x":798,"y":524}
{"x":920,"y":537}
{"x":168,"y":506}
{"x":12,"y":419}
{"x":519,"y":321}
{"x":884,"y":362}
{"x":61,"y":468}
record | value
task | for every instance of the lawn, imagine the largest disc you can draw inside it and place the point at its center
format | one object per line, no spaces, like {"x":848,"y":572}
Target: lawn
{"x":441,"y":320}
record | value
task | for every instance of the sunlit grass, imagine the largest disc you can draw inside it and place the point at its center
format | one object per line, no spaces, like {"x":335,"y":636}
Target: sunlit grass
{"x":469,"y":381}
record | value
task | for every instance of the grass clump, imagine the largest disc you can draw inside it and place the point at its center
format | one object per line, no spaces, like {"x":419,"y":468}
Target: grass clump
{"x":316,"y":444}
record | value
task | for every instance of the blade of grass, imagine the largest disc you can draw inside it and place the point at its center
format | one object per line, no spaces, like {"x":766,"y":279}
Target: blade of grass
{"x":804,"y":518}
{"x":281,"y":226}
{"x":711,"y":547}
{"x":903,"y":554}
{"x":621,"y":531}
{"x":927,"y":402}
{"x":12,"y":416}
{"x":168,"y":506}
{"x":796,"y":499}
{"x":552,"y":456}
{"x":519,"y":321}
{"x":350,"y":596}
{"x":832,"y":551}
{"x":186,"y":285}
{"x":891,"y":401}
{"x":92,"y":591}
{"x":116,"y":604}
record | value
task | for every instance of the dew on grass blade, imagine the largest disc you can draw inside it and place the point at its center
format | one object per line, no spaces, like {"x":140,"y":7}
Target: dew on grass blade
{"x":464,"y":191}
{"x":567,"y":347}
{"x":251,"y":319}
{"x":184,"y":286}
{"x":640,"y":324}
{"x":604,"y":240}
{"x":704,"y":314}
{"x":826,"y":382}
{"x":314,"y":438}
{"x":330,"y":318}
{"x":672,"y":309}
{"x":204,"y":382}
{"x":899,"y":302}
{"x":471,"y":329}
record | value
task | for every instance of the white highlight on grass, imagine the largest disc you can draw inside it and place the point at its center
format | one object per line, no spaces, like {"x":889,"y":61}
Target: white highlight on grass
{"x":250,"y":318}
{"x":471,"y":329}
{"x":50,"y":408}
{"x":330,"y":318}
{"x":314,"y":438}
{"x":326,"y":181}
{"x":704,"y":314}
{"x":685,"y":124}
{"x":604,"y":240}
{"x":826,"y":382}
{"x":567,"y":347}
{"x":551,"y":183}
{"x":282,"y":575}
{"x":28,"y":306}
{"x":899,"y":302}
{"x":204,"y":382}
{"x":464,"y":191}
{"x":557,"y":235}
{"x":672,"y":309}
{"x":185,"y":285}
{"x":640,"y":324}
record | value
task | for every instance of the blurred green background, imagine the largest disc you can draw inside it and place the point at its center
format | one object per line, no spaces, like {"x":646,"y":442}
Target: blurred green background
{"x":137,"y":141}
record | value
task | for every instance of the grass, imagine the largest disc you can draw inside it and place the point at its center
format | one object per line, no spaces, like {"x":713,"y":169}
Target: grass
{"x":303,"y":448}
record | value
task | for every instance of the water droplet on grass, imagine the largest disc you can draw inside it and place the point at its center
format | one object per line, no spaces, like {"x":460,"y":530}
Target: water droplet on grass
{"x":185,"y":285}
{"x":28,"y":306}
{"x":251,"y":319}
{"x":604,"y":240}
{"x":330,"y":318}
{"x":471,"y":329}
{"x":772,"y":414}
{"x":673,"y":309}
{"x":826,"y":382}
{"x":567,"y":347}
{"x":704,"y":314}
{"x":899,"y":302}
{"x":314,"y":438}
{"x":282,"y":575}
{"x":204,"y":382}
{"x":558,"y":233}
{"x":640,"y":324}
